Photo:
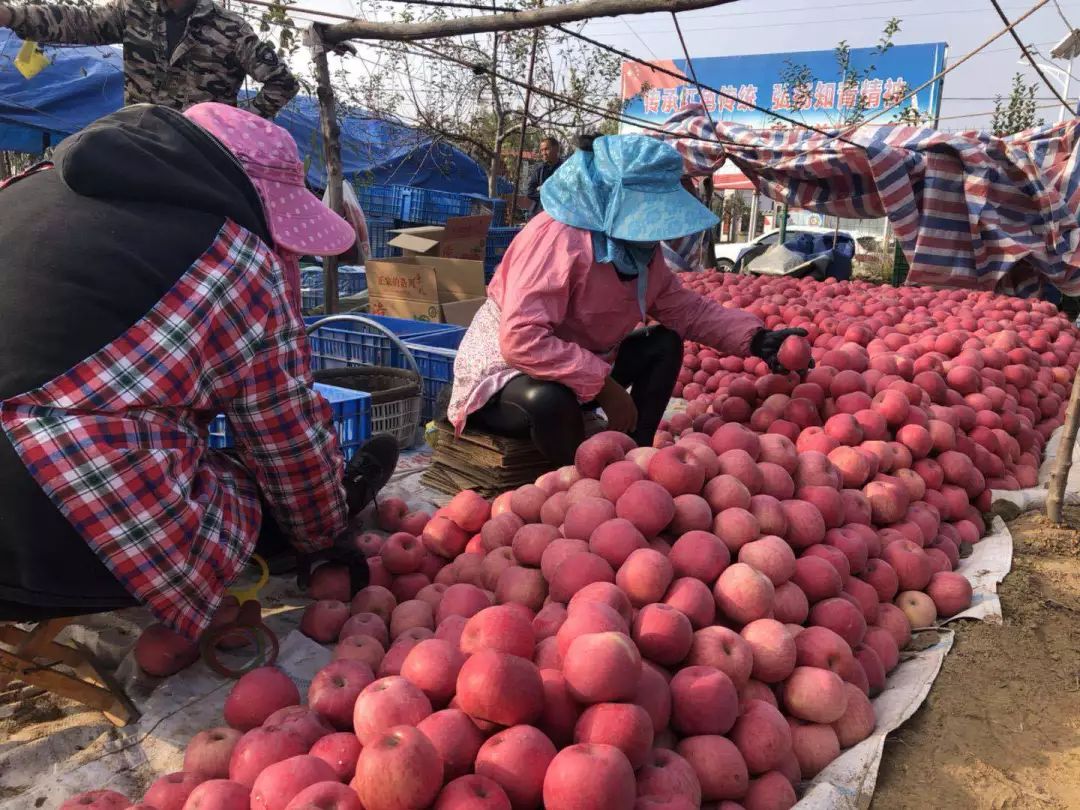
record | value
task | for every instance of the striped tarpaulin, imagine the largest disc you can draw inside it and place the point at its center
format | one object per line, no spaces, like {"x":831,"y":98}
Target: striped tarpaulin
{"x":970,"y":210}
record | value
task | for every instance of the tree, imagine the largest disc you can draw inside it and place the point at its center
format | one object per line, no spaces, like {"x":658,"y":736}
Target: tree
{"x":734,"y":209}
{"x":1016,"y":113}
{"x":484,"y":115}
{"x":447,"y":90}
{"x":800,"y":81}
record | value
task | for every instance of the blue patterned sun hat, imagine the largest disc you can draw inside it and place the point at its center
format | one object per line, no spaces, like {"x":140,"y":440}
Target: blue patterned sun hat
{"x":628,"y":188}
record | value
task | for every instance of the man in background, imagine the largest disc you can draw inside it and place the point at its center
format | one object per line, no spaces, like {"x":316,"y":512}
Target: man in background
{"x":176,"y":52}
{"x":550,"y":154}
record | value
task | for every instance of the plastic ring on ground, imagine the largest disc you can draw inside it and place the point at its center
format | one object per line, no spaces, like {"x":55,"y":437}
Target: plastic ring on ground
{"x":252,"y":592}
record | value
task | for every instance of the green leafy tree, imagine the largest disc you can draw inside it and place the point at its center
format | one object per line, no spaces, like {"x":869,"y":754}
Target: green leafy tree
{"x":800,"y":80}
{"x":1017,"y":112}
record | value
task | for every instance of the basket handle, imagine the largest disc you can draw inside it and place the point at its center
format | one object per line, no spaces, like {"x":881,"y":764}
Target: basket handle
{"x":413,"y":367}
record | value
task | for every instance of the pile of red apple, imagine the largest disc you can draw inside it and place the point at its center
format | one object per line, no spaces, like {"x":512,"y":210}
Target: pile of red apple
{"x":697,"y":624}
{"x":996,"y":371}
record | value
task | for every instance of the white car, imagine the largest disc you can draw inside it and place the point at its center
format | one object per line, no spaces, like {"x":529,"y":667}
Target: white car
{"x":728,"y":253}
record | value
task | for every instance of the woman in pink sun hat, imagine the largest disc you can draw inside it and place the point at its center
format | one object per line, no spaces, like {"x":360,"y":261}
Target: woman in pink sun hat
{"x":299,"y":223}
{"x":150,"y":281}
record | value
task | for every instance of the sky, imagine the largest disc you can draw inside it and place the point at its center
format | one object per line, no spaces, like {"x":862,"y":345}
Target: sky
{"x":777,"y":26}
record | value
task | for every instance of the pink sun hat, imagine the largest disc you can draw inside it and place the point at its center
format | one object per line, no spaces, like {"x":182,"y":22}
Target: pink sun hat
{"x":298,"y":220}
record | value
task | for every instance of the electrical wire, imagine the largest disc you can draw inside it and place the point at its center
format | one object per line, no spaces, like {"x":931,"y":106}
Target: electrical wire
{"x":1027,"y":55}
{"x":1061,"y":13}
{"x":624,"y":55}
{"x":637,"y":36}
{"x":988,"y":112}
{"x":647,"y":125}
{"x":592,"y":109}
{"x":812,"y":22}
{"x":941,"y":74}
{"x":690,"y":66}
{"x":719,"y":93}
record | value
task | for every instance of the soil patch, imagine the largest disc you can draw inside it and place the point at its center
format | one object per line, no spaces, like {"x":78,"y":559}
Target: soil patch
{"x":1000,"y":728}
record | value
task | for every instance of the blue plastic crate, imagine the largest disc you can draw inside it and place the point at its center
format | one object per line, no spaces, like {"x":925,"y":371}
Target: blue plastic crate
{"x":379,"y":236}
{"x":437,"y":370}
{"x":496,"y":206}
{"x":381,"y":202}
{"x":344,"y":343}
{"x":429,"y":207}
{"x":310,"y":299}
{"x":499,"y":239}
{"x":446,"y":337}
{"x":351,"y":279}
{"x":350,"y":411}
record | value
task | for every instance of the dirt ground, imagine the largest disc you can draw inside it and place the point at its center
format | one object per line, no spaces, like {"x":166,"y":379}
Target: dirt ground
{"x":1001,"y":726}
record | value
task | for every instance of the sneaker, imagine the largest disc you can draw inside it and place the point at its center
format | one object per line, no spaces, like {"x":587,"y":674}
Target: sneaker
{"x":369,"y":471}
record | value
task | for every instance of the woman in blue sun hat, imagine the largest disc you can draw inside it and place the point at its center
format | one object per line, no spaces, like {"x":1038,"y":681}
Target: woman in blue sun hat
{"x":561,"y":331}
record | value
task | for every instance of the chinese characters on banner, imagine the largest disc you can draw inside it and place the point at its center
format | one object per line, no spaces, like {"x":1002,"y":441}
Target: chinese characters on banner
{"x":875,"y":93}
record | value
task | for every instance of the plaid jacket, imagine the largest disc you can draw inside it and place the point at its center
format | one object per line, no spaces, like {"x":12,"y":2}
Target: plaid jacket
{"x":217,"y":51}
{"x":119,"y":441}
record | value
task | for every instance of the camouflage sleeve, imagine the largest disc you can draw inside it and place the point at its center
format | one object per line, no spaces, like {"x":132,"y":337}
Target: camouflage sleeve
{"x":261,"y":62}
{"x":70,"y":25}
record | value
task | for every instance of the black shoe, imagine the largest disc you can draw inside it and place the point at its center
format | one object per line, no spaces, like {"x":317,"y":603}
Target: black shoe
{"x":282,"y":563}
{"x":369,"y":471}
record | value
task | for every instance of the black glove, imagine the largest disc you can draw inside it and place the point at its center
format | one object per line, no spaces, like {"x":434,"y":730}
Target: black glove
{"x":766,"y":343}
{"x":342,"y":552}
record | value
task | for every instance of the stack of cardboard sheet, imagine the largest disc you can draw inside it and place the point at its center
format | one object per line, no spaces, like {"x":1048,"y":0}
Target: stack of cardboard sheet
{"x":481,"y":462}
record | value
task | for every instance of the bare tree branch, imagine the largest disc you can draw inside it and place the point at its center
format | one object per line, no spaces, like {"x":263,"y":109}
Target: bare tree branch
{"x":533,"y":18}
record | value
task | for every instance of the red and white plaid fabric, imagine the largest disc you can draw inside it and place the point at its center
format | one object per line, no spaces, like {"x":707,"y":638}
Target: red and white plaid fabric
{"x":119,"y":441}
{"x":970,"y":209}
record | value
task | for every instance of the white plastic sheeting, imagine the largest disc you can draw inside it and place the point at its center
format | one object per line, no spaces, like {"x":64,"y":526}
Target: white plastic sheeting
{"x":848,"y":782}
{"x":38,"y":774}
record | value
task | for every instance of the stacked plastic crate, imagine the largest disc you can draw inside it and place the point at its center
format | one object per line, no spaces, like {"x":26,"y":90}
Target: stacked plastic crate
{"x":381,"y":202}
{"x":351,"y":280}
{"x":350,"y":411}
{"x":428,"y":207}
{"x":379,"y":237}
{"x":433,"y":346}
{"x":498,"y":241}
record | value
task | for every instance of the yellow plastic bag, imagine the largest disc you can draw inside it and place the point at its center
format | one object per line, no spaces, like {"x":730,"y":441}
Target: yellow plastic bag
{"x":30,"y":60}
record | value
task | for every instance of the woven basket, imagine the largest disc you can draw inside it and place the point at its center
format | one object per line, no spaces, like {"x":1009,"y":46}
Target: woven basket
{"x":395,"y":397}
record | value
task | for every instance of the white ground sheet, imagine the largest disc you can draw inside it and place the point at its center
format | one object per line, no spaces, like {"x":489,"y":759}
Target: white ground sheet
{"x":80,"y":751}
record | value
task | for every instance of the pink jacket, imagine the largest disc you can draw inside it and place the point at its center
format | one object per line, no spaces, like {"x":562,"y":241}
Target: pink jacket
{"x":561,"y":316}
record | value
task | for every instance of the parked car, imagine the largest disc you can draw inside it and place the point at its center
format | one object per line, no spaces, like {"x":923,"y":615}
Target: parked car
{"x":727,"y":254}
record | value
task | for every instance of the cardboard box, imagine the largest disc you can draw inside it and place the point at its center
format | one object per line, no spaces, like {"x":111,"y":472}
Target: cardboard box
{"x":459,"y":238}
{"x":426,"y":288}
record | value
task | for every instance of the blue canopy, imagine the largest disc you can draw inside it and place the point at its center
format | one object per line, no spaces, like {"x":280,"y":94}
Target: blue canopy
{"x":80,"y":86}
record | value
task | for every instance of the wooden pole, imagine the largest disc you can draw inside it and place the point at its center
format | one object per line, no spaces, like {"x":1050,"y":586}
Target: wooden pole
{"x":1055,"y":496}
{"x":331,"y":135}
{"x":524,"y":130}
{"x":514,"y":21}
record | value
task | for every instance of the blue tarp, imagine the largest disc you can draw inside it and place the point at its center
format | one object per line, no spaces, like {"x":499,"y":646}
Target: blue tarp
{"x":383,"y":152}
{"x":83,"y":84}
{"x":80,"y":86}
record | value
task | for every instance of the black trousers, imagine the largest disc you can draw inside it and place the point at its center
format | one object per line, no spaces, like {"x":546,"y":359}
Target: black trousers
{"x":46,"y":568}
{"x":549,"y":413}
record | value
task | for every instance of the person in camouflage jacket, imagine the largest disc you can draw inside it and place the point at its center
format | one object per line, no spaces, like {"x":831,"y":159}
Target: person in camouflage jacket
{"x":176,"y":52}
